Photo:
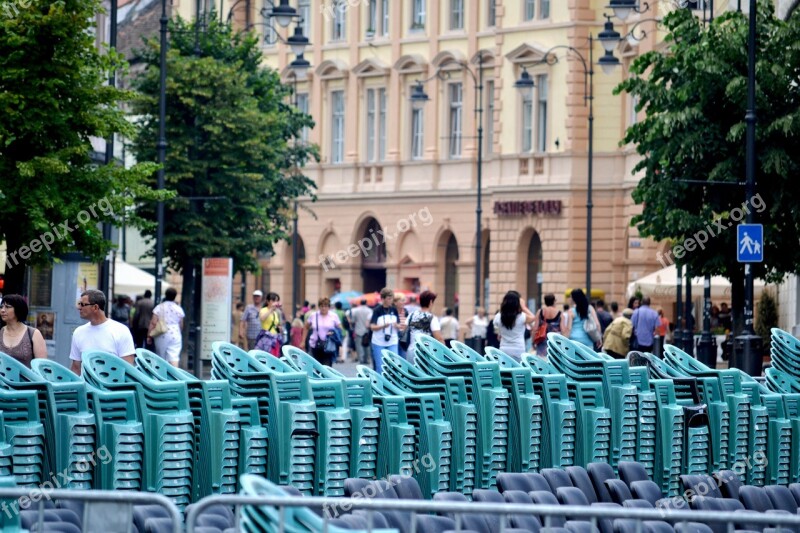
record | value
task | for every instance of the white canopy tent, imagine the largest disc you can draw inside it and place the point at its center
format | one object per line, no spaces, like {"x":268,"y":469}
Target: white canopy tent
{"x":662,"y":283}
{"x":131,"y":281}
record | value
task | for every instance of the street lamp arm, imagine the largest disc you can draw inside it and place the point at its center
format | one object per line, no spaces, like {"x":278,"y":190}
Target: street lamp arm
{"x":642,"y":34}
{"x":550,"y":58}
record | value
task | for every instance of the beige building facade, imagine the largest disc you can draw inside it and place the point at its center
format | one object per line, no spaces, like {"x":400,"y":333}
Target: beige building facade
{"x":397,"y":186}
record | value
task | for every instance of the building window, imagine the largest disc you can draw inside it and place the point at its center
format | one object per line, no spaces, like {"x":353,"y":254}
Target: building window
{"x":376,"y":125}
{"x":633,"y":101}
{"x":270,"y":35}
{"x":418,"y":15}
{"x":454,"y":133}
{"x":491,"y":18}
{"x":304,"y":10}
{"x":302,"y":106}
{"x":541,"y":113}
{"x":456,"y":14}
{"x":527,"y":124}
{"x":338,"y":24}
{"x":489,"y":117}
{"x":530,"y":9}
{"x":337,"y":126}
{"x":378,"y":18}
{"x":417,"y":133}
{"x":544,"y":9}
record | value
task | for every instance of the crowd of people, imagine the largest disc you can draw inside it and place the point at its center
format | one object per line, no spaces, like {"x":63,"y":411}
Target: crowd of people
{"x":362,"y":333}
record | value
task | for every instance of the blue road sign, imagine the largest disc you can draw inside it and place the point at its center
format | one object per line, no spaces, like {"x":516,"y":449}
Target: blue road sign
{"x":750,"y":243}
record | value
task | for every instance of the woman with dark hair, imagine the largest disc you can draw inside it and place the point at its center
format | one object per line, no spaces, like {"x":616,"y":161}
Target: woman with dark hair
{"x":511,"y":322}
{"x":548,"y":320}
{"x":633,"y":303}
{"x":581,"y":311}
{"x":422,"y":321}
{"x":271,"y":318}
{"x":319,"y":326}
{"x":169,"y":343}
{"x":17,"y":339}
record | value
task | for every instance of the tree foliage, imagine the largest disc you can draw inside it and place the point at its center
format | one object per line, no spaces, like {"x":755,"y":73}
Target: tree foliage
{"x":694,"y":93}
{"x":53,"y":101}
{"x":231,"y":155}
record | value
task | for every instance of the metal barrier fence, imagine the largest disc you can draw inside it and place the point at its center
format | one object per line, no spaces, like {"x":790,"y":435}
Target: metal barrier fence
{"x":780,"y":521}
{"x":106,"y":510}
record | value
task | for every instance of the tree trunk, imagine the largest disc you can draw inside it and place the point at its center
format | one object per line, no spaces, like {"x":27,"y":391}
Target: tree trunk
{"x":14,"y":279}
{"x":187,"y":269}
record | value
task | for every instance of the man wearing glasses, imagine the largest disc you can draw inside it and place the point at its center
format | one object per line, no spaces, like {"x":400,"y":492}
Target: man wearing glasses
{"x":99,"y":333}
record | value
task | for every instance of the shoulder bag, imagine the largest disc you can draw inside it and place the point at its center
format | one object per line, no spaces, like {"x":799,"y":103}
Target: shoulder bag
{"x":590,"y":328}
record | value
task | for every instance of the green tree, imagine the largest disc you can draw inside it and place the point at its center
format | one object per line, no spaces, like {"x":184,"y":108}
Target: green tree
{"x":53,"y":100}
{"x":694,"y":95}
{"x":231,"y":154}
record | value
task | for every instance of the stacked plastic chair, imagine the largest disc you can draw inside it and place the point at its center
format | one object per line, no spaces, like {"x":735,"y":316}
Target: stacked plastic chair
{"x":334,"y":445}
{"x":526,"y":415}
{"x":69,"y":426}
{"x":669,"y":429}
{"x":484,"y":390}
{"x":593,"y":432}
{"x":559,"y":413}
{"x":788,"y":387}
{"x":216,"y":425}
{"x":365,"y":416}
{"x":750,"y":422}
{"x":286,"y":409}
{"x":583,"y":365}
{"x":458,"y":411}
{"x":253,"y":438}
{"x":120,"y":431}
{"x":431,"y":435}
{"x":168,"y":423}
{"x":22,"y":438}
{"x":785,"y":352}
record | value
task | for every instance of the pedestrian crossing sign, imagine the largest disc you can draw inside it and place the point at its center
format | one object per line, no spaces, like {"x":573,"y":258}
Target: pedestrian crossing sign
{"x":750,"y":243}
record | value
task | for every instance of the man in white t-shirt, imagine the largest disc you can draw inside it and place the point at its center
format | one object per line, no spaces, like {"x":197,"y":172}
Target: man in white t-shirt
{"x":100,"y":333}
{"x":449,"y":326}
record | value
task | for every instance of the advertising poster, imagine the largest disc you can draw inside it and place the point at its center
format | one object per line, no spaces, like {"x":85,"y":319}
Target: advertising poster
{"x":217,"y":299}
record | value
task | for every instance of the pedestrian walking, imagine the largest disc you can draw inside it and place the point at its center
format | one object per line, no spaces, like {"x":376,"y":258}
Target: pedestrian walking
{"x":360,"y":318}
{"x":645,"y":320}
{"x":250,"y":325}
{"x":511,"y":322}
{"x":17,"y":339}
{"x":100,"y":333}
{"x":385,"y":325}
{"x":270,"y":338}
{"x":320,"y":325}
{"x":142,"y":314}
{"x":478,"y":328}
{"x":450,"y":327}
{"x":617,"y":337}
{"x":422,"y":321}
{"x":581,"y":324}
{"x":548,"y":320}
{"x":169,"y":342}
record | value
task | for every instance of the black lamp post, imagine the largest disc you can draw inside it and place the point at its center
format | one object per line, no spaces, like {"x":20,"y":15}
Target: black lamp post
{"x":418,"y":100}
{"x":525,"y":83}
{"x":748,"y":344}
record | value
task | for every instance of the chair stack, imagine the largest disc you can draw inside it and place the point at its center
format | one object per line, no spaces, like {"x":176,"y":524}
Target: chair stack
{"x":70,"y":432}
{"x":484,"y":390}
{"x":750,"y":422}
{"x":365,"y":416}
{"x":560,"y":415}
{"x":593,"y":432}
{"x":286,"y":409}
{"x":253,"y":438}
{"x":788,"y":387}
{"x":23,"y":450}
{"x":334,"y":445}
{"x":168,"y":423}
{"x":458,"y":411}
{"x":216,"y":425}
{"x":526,"y":414}
{"x":429,"y":441}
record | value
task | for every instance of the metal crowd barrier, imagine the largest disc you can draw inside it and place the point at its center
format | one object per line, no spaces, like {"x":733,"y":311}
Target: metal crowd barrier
{"x":504,"y":510}
{"x":106,"y":511}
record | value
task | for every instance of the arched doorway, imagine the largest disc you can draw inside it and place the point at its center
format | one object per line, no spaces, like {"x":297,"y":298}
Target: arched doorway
{"x":373,"y":264}
{"x":451,"y":272}
{"x":533,"y":290}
